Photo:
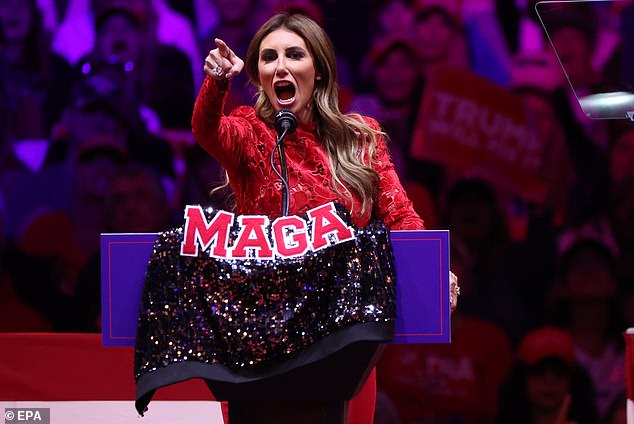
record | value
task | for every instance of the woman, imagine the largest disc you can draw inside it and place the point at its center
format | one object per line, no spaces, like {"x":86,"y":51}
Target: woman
{"x":330,"y":158}
{"x":292,"y":63}
{"x":37,"y":81}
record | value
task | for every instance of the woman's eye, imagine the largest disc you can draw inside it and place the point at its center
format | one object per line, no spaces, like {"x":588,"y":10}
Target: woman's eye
{"x":268,"y":57}
{"x":295,"y":54}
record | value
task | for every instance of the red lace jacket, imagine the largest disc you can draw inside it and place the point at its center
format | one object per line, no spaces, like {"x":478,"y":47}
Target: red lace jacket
{"x":242,"y":143}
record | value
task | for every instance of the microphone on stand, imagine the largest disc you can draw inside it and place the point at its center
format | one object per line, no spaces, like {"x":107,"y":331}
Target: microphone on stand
{"x":285,"y":123}
{"x":285,"y":120}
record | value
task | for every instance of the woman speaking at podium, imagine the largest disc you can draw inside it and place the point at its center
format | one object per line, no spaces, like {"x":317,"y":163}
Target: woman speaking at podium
{"x":330,"y":157}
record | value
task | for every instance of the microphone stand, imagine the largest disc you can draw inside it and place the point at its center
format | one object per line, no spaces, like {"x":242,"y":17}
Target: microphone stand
{"x":285,"y":123}
{"x":279,"y":146}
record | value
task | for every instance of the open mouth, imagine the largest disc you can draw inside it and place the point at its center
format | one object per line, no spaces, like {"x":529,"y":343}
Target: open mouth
{"x":285,"y":92}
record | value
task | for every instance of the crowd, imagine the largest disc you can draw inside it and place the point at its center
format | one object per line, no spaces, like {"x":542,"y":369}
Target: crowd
{"x":95,"y":136}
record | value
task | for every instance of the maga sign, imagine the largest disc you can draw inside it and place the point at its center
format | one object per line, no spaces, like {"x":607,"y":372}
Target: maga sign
{"x":286,"y":237}
{"x":478,"y":128}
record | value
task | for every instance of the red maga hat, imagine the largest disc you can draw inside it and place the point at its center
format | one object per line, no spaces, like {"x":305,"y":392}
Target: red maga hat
{"x":546,"y":342}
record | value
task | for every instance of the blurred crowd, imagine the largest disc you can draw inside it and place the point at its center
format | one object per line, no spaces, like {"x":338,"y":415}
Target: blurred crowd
{"x":96,"y":98}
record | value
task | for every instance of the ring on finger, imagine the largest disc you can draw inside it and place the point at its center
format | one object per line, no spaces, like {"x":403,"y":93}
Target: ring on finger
{"x":217,"y":71}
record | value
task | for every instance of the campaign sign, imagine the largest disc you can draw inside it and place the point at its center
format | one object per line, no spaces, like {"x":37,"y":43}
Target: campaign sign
{"x":422,"y":275}
{"x":478,"y":128}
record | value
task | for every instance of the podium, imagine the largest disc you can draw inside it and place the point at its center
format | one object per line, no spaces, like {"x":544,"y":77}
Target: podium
{"x":319,"y":390}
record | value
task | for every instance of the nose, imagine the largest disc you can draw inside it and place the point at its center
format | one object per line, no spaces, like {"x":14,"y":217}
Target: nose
{"x":280,"y":68}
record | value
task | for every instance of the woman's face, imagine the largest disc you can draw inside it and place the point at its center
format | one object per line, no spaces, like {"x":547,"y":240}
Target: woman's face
{"x":15,"y":19}
{"x":286,"y":71}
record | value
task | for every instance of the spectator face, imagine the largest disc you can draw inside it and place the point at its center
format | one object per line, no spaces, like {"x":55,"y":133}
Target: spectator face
{"x":287,"y":73}
{"x":16,"y":17}
{"x":98,"y":156}
{"x":84,"y":125}
{"x":396,"y":76}
{"x":547,"y":388}
{"x":574,"y":50}
{"x":472,"y":219}
{"x":119,"y":39}
{"x":137,"y":203}
{"x":435,"y":37}
{"x":94,"y":169}
{"x":590,"y":278}
{"x":396,"y":17}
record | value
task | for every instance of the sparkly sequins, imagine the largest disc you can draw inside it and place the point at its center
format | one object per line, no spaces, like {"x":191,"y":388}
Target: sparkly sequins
{"x":249,"y":314}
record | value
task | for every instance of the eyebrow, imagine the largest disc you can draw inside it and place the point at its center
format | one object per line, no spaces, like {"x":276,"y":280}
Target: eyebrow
{"x":270,"y":49}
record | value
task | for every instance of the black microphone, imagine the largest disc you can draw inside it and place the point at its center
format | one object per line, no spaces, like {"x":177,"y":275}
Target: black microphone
{"x":285,"y":120}
{"x":285,"y":123}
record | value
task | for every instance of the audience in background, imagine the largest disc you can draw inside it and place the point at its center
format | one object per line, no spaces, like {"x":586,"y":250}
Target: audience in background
{"x":15,"y":313}
{"x":135,"y":201}
{"x":35,"y":81}
{"x":91,"y":92}
{"x":557,"y":168}
{"x":235,"y":26}
{"x":621,"y":157}
{"x":618,"y":216}
{"x":162,"y":74}
{"x":545,"y":385}
{"x":439,"y":36}
{"x":75,"y":37}
{"x":393,"y":72}
{"x":588,"y":309}
{"x":479,"y":230}
{"x":393,"y":18}
{"x":447,"y":383}
{"x":574,"y":37}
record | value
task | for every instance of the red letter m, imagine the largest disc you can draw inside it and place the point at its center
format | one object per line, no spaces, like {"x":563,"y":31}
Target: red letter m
{"x":198,"y":231}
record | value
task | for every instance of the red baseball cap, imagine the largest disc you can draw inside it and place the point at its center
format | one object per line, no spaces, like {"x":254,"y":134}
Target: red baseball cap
{"x":545,"y":342}
{"x":382,"y":46}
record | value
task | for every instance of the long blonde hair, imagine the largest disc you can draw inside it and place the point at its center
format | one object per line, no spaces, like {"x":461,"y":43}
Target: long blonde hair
{"x":350,"y":143}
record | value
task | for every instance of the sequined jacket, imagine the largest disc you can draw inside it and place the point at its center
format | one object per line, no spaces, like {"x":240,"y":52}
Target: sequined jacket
{"x":242,"y":143}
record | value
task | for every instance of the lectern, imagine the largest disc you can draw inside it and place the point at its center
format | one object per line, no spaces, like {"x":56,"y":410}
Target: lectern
{"x":423,"y":316}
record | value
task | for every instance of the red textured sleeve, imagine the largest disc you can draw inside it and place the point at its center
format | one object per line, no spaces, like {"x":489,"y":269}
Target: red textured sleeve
{"x":393,"y":206}
{"x":223,"y":137}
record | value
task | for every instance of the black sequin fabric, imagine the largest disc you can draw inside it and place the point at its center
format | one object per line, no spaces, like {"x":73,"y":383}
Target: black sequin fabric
{"x":250,"y":314}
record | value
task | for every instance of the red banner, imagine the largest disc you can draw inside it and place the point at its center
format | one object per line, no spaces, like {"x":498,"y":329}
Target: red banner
{"x":479,"y":129}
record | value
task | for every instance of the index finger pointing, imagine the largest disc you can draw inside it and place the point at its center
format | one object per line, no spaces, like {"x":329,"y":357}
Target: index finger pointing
{"x":223,"y":49}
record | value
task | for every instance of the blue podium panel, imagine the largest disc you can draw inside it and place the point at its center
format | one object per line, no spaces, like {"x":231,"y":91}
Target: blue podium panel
{"x":422,"y":274}
{"x":422,"y":286}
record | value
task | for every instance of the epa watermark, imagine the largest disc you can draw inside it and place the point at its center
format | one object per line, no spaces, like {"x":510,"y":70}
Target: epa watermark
{"x":27,"y":416}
